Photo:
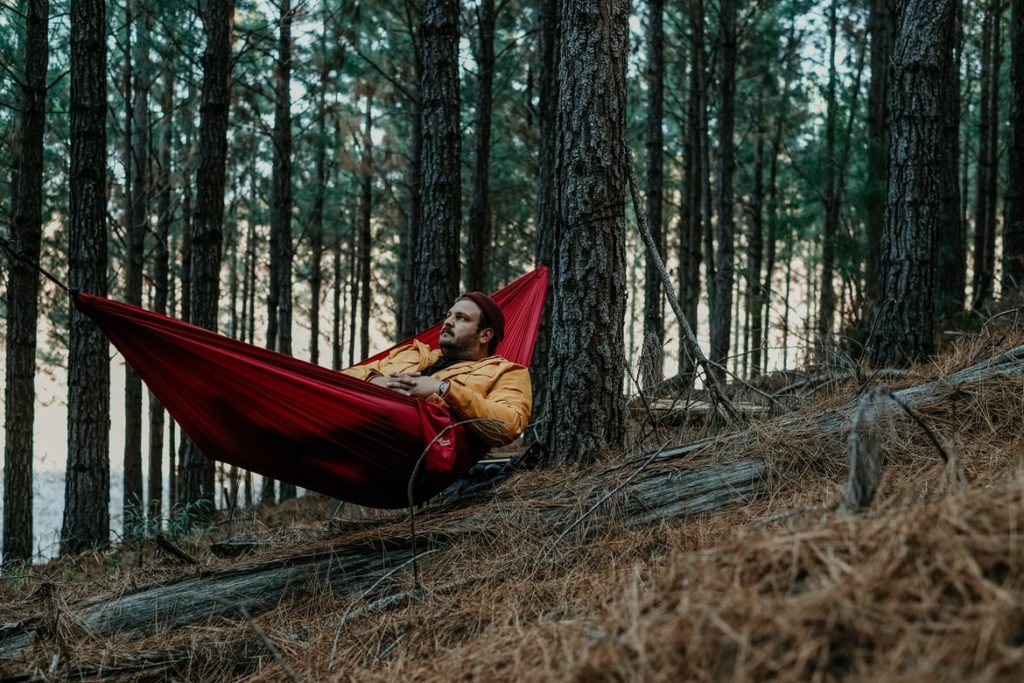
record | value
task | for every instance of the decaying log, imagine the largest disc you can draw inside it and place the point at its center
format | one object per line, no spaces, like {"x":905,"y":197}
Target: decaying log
{"x":664,"y":493}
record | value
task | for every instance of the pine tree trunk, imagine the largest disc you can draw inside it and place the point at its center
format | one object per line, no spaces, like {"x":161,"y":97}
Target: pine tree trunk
{"x":1013,"y":210}
{"x":478,"y":239}
{"x":992,"y":191}
{"x":880,"y":26}
{"x":654,"y":319}
{"x":826,"y":311}
{"x":755,"y":289}
{"x":918,"y":92}
{"x":547,"y":208}
{"x":981,"y":283}
{"x":337,"y":343}
{"x":197,"y":472}
{"x":316,"y":224}
{"x":279,"y":326}
{"x":410,"y":238}
{"x":365,"y":233}
{"x":87,"y":480}
{"x":437,"y":253}
{"x":695,"y":172}
{"x":951,"y":245}
{"x":136,"y":242}
{"x":23,"y":290}
{"x":586,"y":365}
{"x":161,"y":270}
{"x":724,"y":254}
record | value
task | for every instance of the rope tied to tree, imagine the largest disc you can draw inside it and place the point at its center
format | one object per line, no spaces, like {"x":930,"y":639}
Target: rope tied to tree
{"x":18,"y":256}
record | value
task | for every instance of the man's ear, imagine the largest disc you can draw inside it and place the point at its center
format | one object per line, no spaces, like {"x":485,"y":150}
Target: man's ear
{"x":486,"y":334}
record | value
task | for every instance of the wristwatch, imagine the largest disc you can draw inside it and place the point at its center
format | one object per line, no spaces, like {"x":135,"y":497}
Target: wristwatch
{"x":442,"y":388}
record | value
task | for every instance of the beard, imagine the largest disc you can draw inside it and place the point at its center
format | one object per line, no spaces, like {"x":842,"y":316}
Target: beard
{"x":458,"y":348}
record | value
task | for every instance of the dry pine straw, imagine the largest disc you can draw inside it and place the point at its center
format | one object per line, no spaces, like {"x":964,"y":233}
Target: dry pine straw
{"x":928,"y":585}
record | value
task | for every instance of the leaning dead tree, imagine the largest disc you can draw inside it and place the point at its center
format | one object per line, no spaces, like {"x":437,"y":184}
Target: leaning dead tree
{"x":652,"y":488}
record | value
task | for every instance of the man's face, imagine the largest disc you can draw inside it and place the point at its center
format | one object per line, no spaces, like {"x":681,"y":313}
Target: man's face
{"x":461,"y":336}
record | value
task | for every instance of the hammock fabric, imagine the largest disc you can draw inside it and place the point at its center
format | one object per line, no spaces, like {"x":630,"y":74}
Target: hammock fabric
{"x":301,"y":423}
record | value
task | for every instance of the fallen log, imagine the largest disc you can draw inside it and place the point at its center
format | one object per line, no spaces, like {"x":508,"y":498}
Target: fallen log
{"x":260,"y":586}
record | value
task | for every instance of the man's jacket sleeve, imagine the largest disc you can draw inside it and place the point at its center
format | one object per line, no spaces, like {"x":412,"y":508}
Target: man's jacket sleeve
{"x":506,"y":407}
{"x":403,"y":359}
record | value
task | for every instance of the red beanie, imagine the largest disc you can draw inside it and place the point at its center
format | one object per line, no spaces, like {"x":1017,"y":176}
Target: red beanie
{"x":492,"y":316}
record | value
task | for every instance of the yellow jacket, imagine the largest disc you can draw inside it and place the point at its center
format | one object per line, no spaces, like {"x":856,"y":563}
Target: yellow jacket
{"x":492,"y":388}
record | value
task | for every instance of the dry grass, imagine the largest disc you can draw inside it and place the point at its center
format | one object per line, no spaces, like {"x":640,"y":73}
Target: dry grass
{"x":927,"y":585}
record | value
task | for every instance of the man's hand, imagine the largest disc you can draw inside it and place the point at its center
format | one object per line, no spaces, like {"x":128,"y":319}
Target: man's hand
{"x":411,"y":384}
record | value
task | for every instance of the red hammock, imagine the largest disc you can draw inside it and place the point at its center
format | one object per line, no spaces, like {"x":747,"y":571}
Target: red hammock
{"x":301,"y":423}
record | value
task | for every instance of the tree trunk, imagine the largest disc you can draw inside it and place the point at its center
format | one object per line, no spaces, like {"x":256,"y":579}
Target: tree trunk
{"x":437,"y":253}
{"x":87,"y":480}
{"x":981,"y":283}
{"x":919,"y":91}
{"x":724,"y":256}
{"x":316,"y":222}
{"x":880,"y":26}
{"x":279,"y":329}
{"x":547,"y":198}
{"x":161,"y":270}
{"x":826,"y":311}
{"x":693,"y":227}
{"x":478,"y":242}
{"x":951,"y":245}
{"x":654,"y":320}
{"x":197,"y":472}
{"x":337,"y":343}
{"x":1013,"y":209}
{"x":992,"y":192}
{"x":755,"y":289}
{"x":365,"y":233}
{"x":138,"y":218}
{"x":586,"y":364}
{"x":410,"y":240}
{"x":23,"y":290}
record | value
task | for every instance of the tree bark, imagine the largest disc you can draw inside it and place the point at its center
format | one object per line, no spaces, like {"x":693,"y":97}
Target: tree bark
{"x":87,"y":481}
{"x":654,"y":319}
{"x":316,"y":221}
{"x":586,"y":364}
{"x":161,"y":271}
{"x":981,"y":283}
{"x":365,"y":232}
{"x":693,"y":225}
{"x":547,"y":198}
{"x":1013,"y":209}
{"x":197,"y":472}
{"x":280,"y":313}
{"x":755,"y":288}
{"x":138,"y":216}
{"x":437,"y":253}
{"x":827,"y":308}
{"x":23,"y":290}
{"x":724,"y":253}
{"x":880,"y":26}
{"x":410,"y":240}
{"x":478,"y":239}
{"x":918,"y":93}
{"x":951,"y":245}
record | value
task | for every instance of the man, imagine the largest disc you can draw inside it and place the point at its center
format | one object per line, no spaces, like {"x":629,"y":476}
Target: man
{"x":464,"y":374}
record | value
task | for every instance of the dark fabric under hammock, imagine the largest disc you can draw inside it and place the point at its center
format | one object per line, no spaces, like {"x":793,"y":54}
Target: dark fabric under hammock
{"x":301,"y":423}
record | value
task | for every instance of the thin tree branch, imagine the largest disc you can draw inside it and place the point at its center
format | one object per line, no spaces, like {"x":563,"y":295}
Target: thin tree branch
{"x":715,"y":389}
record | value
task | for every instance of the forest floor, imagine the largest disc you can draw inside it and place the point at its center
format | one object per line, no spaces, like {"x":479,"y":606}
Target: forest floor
{"x":785,"y":583}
